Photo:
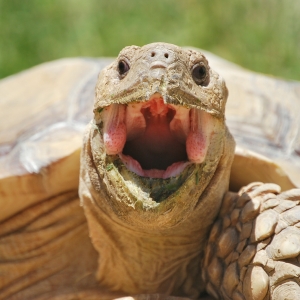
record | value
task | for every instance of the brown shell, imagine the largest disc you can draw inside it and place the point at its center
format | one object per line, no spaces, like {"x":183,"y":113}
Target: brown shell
{"x":262,"y":113}
{"x":44,"y":110}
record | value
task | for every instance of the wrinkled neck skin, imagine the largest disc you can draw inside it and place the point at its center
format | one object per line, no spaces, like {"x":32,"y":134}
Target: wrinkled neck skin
{"x":156,"y":250}
{"x":150,"y":233}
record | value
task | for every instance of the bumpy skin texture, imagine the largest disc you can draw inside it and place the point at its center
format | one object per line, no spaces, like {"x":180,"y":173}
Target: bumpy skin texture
{"x":176,"y":85}
{"x":144,"y":245}
{"x":254,"y":245}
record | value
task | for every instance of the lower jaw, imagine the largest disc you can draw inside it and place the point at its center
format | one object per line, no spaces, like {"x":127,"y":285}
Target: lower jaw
{"x":150,"y":190}
{"x":172,"y":171}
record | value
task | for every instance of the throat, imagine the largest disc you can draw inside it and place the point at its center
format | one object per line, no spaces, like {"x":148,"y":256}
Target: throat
{"x":142,"y":263}
{"x":157,"y":148}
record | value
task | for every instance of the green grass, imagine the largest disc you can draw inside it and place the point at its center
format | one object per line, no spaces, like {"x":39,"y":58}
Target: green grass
{"x":263,"y":36}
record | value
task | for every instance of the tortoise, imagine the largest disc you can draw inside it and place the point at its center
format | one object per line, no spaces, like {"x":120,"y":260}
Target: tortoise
{"x":169,"y":207}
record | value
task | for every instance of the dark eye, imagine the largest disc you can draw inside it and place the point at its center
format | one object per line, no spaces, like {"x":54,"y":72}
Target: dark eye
{"x":123,"y":67}
{"x":199,"y":74}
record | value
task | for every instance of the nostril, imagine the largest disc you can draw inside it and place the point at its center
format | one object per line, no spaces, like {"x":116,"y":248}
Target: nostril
{"x":152,"y":54}
{"x":166,"y":55}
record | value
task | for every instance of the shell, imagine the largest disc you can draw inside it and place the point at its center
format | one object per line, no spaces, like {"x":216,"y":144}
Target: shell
{"x":262,"y":114}
{"x":58,"y":96}
{"x":43,"y":114}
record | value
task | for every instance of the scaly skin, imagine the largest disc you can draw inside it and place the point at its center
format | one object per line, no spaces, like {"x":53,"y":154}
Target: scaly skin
{"x":254,"y":245}
{"x":144,"y":245}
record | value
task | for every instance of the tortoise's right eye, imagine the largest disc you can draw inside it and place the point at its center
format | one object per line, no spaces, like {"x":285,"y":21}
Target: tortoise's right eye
{"x":123,"y":67}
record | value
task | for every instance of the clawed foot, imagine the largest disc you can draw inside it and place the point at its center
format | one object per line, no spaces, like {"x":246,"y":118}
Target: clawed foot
{"x":254,"y":246}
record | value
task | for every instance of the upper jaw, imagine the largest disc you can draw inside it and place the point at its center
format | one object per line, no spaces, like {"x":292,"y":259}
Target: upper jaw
{"x":172,"y":80}
{"x":155,"y":139}
{"x":158,"y":64}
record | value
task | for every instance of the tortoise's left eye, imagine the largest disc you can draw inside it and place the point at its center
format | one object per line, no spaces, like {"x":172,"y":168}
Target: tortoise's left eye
{"x":199,"y":74}
{"x":123,"y":67}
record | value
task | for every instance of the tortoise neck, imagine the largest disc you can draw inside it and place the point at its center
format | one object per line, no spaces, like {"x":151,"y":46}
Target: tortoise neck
{"x":151,"y":251}
{"x":132,"y":261}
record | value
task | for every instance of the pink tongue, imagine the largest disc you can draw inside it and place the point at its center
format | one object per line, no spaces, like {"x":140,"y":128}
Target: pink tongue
{"x":134,"y":166}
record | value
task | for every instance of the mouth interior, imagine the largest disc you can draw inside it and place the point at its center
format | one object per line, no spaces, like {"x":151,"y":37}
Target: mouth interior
{"x":154,"y":139}
{"x":157,"y":148}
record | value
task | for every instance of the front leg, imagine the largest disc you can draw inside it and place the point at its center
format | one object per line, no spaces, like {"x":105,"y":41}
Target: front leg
{"x":254,"y":245}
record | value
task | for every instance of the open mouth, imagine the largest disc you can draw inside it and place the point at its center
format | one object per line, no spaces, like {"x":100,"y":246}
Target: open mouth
{"x":154,"y":139}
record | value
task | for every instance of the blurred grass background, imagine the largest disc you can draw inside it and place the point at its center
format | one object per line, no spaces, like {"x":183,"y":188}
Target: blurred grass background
{"x":263,"y":36}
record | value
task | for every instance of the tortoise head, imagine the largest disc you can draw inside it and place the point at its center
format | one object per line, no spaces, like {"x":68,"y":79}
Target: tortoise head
{"x":158,"y":138}
{"x":155,"y":166}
